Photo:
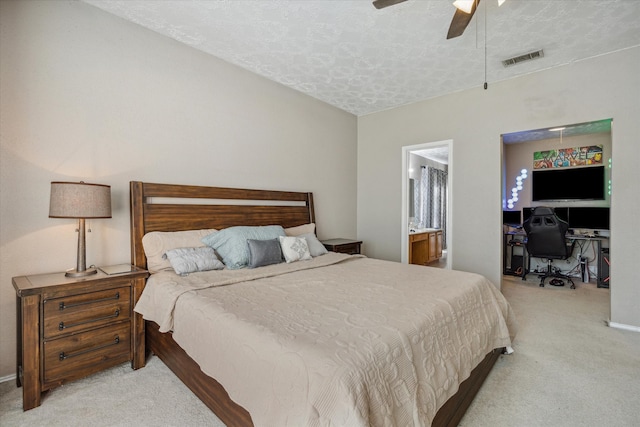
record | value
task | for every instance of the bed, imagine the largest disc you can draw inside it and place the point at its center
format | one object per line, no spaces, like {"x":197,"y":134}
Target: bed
{"x":273,"y":361}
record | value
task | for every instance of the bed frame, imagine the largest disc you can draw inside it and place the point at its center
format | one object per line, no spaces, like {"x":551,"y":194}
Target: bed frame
{"x":170,"y":207}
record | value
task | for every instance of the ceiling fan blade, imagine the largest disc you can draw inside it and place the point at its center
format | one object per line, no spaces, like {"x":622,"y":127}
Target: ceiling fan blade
{"x":380,"y":4}
{"x":460,"y":21}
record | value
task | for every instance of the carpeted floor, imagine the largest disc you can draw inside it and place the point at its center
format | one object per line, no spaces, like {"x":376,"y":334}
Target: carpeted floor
{"x":568,"y":369}
{"x":120,"y":396}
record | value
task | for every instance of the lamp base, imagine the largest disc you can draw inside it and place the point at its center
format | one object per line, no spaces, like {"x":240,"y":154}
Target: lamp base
{"x":75,"y":273}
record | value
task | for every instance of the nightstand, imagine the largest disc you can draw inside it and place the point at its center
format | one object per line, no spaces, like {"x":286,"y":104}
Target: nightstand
{"x":69,"y":328}
{"x":345,"y":246}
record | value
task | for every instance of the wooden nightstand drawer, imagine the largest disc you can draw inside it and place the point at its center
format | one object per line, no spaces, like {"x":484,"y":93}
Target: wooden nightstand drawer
{"x":80,"y":312}
{"x":79,"y":355}
{"x":351,"y":248}
{"x":344,"y":246}
{"x":71,"y":327}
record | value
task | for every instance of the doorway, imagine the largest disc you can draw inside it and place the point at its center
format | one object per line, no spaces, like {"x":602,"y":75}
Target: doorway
{"x":569,"y":149}
{"x":440,"y":152}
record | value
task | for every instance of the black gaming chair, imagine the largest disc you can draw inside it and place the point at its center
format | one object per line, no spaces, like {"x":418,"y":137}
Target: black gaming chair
{"x":546,"y":238}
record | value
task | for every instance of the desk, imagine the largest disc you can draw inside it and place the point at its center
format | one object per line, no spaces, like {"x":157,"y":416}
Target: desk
{"x":512,"y":263}
{"x":519,"y":264}
{"x":601,"y":280}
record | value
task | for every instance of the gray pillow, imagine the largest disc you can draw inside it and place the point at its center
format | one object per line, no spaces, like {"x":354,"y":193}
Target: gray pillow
{"x":190,"y":260}
{"x":315,"y":247}
{"x":264,"y":252}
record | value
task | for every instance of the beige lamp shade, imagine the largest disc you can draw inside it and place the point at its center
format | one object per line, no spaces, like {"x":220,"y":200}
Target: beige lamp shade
{"x":82,"y":201}
{"x":79,"y":200}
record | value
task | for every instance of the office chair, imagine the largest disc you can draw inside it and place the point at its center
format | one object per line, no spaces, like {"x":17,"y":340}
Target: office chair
{"x":546,"y":239}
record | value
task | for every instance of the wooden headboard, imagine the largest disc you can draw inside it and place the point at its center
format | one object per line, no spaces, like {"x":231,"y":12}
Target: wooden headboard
{"x":170,"y":207}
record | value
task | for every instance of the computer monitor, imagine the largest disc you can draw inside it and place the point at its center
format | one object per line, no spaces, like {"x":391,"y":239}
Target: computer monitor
{"x":590,"y":218}
{"x":511,"y":218}
{"x":562,"y":213}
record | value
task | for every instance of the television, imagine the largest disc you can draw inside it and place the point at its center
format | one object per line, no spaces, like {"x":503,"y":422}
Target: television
{"x":576,"y":183}
{"x":591,"y":218}
{"x":511,"y":218}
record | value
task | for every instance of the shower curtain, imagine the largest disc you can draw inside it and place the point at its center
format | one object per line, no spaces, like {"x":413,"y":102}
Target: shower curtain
{"x":433,"y":204}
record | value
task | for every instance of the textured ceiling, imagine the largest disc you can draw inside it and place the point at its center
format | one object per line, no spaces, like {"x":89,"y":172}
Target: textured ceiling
{"x":364,"y":60}
{"x":600,"y":126}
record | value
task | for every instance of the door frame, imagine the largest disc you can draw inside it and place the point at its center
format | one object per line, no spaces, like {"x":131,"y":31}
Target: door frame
{"x":404,"y":220}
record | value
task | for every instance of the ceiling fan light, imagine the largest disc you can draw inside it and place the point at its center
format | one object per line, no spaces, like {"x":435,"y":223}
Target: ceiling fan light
{"x":464,"y":5}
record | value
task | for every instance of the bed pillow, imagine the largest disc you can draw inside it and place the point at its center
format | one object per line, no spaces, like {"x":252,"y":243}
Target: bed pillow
{"x":190,"y":260}
{"x":301,"y":229}
{"x":315,"y":247}
{"x":294,"y":248}
{"x":231,"y":243}
{"x":264,"y":252}
{"x":157,"y":243}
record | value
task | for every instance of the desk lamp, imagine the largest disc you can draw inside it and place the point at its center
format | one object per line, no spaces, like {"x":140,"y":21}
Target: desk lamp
{"x":80,"y":200}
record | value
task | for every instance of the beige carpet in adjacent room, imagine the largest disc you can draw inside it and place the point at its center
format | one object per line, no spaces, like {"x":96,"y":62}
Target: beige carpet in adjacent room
{"x":568,"y":369}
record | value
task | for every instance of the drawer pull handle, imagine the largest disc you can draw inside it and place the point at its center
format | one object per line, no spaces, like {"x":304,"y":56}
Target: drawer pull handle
{"x":62,"y":305}
{"x":62,"y":326}
{"x":63,"y":356}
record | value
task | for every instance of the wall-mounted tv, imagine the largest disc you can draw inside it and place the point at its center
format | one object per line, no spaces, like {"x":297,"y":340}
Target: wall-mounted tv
{"x":577,"y":183}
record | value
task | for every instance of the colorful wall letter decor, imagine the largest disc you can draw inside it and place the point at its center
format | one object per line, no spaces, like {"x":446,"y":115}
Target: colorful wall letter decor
{"x":566,"y":157}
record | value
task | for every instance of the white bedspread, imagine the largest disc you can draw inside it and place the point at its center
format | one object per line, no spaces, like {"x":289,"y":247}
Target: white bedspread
{"x":335,"y":341}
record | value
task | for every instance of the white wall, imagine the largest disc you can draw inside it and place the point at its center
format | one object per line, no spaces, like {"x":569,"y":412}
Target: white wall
{"x":88,"y":96}
{"x":604,"y":87}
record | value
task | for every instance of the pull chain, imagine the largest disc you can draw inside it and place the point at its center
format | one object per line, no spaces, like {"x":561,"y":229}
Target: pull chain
{"x":486,"y":35}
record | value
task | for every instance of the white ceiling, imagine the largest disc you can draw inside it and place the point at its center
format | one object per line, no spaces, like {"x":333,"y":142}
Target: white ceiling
{"x":364,"y":60}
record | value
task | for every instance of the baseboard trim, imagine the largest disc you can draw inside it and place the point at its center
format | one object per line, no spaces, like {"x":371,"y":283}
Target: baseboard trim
{"x":623,"y":326}
{"x":7,"y":378}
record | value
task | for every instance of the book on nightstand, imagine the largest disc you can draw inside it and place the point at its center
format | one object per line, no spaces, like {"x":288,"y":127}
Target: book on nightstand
{"x":117,"y":269}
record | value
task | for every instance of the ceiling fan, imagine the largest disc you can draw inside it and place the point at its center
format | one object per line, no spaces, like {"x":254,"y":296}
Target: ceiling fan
{"x":464,"y":12}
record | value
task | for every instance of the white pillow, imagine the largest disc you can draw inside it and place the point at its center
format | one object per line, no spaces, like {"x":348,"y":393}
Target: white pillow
{"x":294,"y":248}
{"x":301,"y":229}
{"x":316,"y":248}
{"x":157,"y":243}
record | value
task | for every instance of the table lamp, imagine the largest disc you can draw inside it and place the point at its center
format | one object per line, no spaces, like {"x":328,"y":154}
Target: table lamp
{"x":80,"y":200}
